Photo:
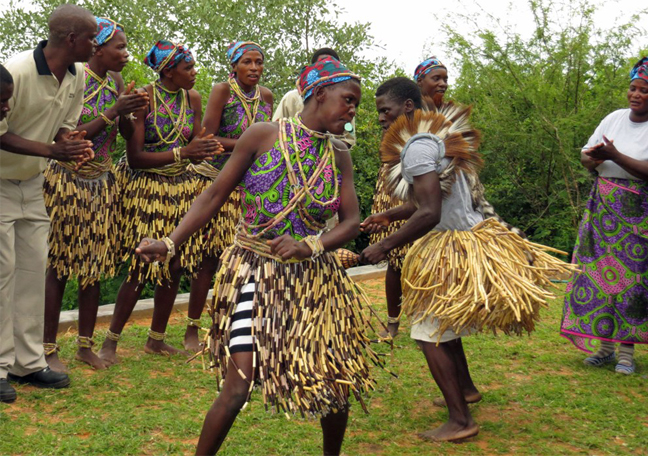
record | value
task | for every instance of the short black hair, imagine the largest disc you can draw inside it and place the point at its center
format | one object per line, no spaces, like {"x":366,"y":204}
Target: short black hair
{"x":5,"y":77}
{"x":324,"y":51}
{"x":401,"y":89}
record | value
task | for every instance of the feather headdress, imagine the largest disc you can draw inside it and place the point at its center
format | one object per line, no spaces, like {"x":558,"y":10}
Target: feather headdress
{"x":450,"y":122}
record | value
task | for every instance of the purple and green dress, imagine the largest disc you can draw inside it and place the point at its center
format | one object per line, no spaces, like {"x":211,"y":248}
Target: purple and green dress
{"x":156,"y":199}
{"x":608,"y":298}
{"x":83,"y":204}
{"x":303,"y":319}
{"x":218,"y":234}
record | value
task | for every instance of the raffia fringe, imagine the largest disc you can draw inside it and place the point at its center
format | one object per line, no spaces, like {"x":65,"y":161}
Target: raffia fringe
{"x":218,"y":234}
{"x":84,"y":216}
{"x":479,"y":279}
{"x":152,"y":206}
{"x":384,"y":201}
{"x":308,"y":326}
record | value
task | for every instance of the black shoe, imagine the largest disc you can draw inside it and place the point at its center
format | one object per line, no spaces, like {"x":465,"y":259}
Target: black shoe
{"x":45,"y":378}
{"x":7,"y":392}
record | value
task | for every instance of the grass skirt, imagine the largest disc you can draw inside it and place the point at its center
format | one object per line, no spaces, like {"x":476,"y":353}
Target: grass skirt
{"x":152,"y":206}
{"x":479,"y":279}
{"x":383,"y":201}
{"x":308,"y":327}
{"x":84,"y":223}
{"x":218,"y":234}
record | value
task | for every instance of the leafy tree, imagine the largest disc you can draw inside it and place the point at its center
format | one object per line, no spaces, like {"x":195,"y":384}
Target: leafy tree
{"x":537,"y":100}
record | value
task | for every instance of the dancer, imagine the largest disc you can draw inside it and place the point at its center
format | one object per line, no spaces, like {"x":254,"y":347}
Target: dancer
{"x":83,"y":202}
{"x":232,"y":107}
{"x":158,"y":189}
{"x":454,"y":272}
{"x":605,"y":299}
{"x":285,"y":312}
{"x":38,"y":123}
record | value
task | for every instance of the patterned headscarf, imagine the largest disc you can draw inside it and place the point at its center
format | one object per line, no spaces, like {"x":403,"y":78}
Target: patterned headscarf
{"x":106,"y":29}
{"x":322,"y":73}
{"x":640,"y":70}
{"x":426,"y":66}
{"x":236,"y":50}
{"x":165,"y":54}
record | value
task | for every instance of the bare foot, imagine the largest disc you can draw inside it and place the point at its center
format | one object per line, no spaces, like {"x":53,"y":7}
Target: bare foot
{"x":55,"y":363}
{"x":108,"y":353}
{"x":158,"y":347}
{"x":89,"y":357}
{"x":191,"y":342}
{"x":471,"y":398}
{"x":451,"y":432}
{"x":392,"y":329}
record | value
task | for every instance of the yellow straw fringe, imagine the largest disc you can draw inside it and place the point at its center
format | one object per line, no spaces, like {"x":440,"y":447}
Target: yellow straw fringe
{"x":479,"y":279}
{"x":84,"y":215}
{"x":384,"y":201}
{"x":153,"y":205}
{"x":308,"y":326}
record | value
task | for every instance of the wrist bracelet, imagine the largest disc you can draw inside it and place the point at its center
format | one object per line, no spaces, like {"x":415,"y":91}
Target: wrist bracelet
{"x":109,"y":122}
{"x":170,"y":247}
{"x":316,"y":246}
{"x":176,"y":155}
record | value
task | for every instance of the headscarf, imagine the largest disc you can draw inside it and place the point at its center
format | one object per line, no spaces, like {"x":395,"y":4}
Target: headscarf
{"x":165,"y":54}
{"x":236,"y":49}
{"x":640,"y":70}
{"x":426,"y":66}
{"x":106,"y":29}
{"x":324,"y":72}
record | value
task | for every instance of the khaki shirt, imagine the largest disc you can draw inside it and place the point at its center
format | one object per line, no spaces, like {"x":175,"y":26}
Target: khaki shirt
{"x":40,"y":107}
{"x":291,"y":104}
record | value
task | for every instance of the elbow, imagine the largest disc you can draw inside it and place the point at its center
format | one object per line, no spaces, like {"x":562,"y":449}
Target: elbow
{"x":430,"y":219}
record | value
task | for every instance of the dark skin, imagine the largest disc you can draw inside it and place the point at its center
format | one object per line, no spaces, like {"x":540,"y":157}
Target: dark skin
{"x":6,"y":92}
{"x":638,"y":102}
{"x":329,"y":109}
{"x":200,"y":147}
{"x":248,"y":69}
{"x":388,"y":111}
{"x":435,"y":83}
{"x":111,"y":57}
{"x":68,"y":145}
{"x":447,"y":361}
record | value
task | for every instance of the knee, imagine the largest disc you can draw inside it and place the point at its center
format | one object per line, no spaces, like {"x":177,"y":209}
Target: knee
{"x":233,"y":401}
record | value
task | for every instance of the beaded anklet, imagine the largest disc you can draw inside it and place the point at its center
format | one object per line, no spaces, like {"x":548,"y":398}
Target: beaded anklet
{"x":112,"y":336}
{"x":156,"y":335}
{"x":195,"y":322}
{"x":50,"y":349}
{"x":84,"y":342}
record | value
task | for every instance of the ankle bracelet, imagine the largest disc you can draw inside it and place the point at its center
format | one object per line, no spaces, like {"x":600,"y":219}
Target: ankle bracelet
{"x":84,"y":342}
{"x":112,"y":336}
{"x":50,"y":349}
{"x":156,"y":335}
{"x":195,"y":322}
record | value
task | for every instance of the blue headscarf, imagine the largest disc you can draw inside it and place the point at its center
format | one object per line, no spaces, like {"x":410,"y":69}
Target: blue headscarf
{"x":324,"y":72}
{"x":106,"y":29}
{"x":426,"y":66}
{"x":165,"y":54}
{"x":640,"y":70}
{"x":236,"y":50}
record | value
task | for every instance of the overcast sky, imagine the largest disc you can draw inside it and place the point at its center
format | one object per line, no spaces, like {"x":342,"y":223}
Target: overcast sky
{"x":406,"y":31}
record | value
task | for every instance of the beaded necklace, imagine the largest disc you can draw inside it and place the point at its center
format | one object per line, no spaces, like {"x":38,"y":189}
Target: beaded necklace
{"x":103,"y":83}
{"x":254,"y":100}
{"x":178,"y":123}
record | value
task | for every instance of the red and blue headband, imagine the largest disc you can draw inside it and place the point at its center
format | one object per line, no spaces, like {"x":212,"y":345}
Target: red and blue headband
{"x":165,"y":54}
{"x":106,"y":29}
{"x":236,"y":50}
{"x":326,"y":71}
{"x":426,"y":66}
{"x":640,"y":70}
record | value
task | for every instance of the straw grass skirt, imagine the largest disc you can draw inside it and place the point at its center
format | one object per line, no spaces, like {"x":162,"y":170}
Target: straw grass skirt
{"x":308,"y":329}
{"x":84,"y":222}
{"x":479,"y":279}
{"x":153,"y":205}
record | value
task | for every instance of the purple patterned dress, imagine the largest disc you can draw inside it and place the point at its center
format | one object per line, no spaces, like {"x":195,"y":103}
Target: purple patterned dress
{"x":608,"y":298}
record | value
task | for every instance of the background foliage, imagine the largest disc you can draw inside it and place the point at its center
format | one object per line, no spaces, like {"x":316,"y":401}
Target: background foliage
{"x":536,"y":99}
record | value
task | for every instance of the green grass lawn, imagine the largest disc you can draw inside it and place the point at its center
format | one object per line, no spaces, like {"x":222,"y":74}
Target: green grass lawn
{"x":539,"y":399}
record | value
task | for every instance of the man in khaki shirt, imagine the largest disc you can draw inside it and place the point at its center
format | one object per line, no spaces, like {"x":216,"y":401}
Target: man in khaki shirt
{"x":46,"y":105}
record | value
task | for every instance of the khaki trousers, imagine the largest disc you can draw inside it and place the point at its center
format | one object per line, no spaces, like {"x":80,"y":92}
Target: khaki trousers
{"x":24,"y":227}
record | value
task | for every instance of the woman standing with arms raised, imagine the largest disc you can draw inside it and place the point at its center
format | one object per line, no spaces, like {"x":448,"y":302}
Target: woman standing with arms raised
{"x":158,"y":188}
{"x":232,"y":107}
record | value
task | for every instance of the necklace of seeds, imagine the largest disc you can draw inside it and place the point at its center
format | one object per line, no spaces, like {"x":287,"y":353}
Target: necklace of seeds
{"x":178,"y":123}
{"x":103,"y":84}
{"x":328,"y":155}
{"x":255,"y":100}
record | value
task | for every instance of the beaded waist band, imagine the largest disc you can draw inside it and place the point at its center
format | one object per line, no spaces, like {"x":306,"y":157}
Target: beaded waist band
{"x":205,"y":169}
{"x":89,"y":170}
